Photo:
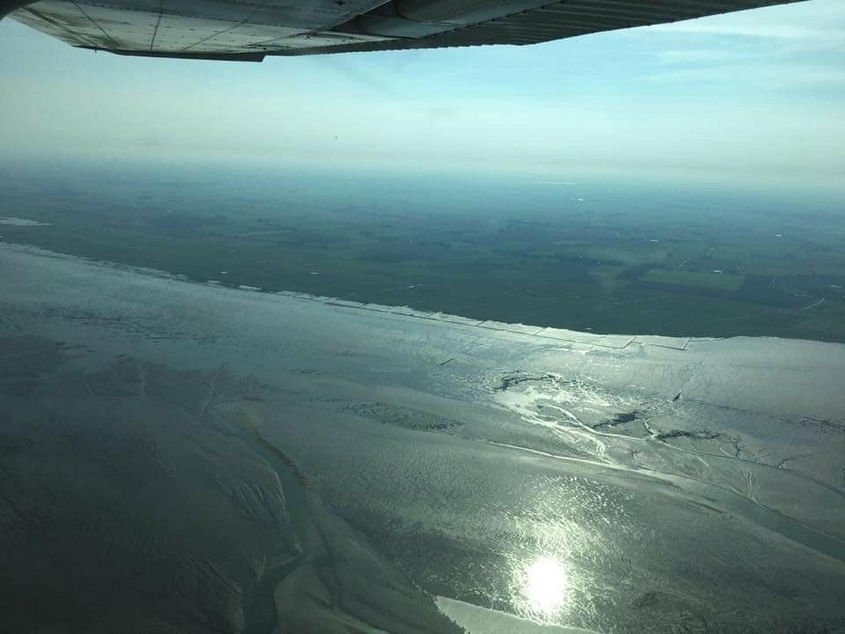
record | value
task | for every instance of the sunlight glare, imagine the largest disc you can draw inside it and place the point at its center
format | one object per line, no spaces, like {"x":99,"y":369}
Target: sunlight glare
{"x":545,"y":586}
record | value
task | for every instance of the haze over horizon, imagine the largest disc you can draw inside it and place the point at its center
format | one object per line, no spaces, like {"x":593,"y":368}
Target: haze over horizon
{"x":755,"y":94}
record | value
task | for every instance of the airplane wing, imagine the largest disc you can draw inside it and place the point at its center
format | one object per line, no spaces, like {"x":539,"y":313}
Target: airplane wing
{"x":249,"y":30}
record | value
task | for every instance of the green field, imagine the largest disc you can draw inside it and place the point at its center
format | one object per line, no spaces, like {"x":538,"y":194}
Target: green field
{"x":490,"y":250}
{"x":716,"y":280}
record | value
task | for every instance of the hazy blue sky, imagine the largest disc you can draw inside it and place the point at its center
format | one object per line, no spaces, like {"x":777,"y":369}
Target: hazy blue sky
{"x":754,"y":93}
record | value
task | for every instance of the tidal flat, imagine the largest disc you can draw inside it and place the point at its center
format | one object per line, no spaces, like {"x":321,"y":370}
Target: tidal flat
{"x":179,"y":457}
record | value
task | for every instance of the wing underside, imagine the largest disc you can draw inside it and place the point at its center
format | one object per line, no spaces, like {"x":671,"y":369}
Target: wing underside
{"x":251,"y":29}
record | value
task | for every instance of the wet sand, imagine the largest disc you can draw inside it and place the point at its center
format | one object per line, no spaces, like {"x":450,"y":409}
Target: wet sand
{"x":182,"y":457}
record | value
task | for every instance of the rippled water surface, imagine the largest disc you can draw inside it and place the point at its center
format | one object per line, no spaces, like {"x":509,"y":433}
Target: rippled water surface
{"x":186,"y":458}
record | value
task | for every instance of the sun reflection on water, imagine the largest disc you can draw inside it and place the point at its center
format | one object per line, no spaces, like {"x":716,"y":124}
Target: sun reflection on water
{"x":545,"y":583}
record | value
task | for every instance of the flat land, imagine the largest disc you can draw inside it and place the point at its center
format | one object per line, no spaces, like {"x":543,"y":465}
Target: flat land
{"x":599,"y":256}
{"x":701,"y":279}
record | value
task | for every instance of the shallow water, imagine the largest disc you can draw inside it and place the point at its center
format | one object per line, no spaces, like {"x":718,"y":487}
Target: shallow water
{"x":184,"y":457}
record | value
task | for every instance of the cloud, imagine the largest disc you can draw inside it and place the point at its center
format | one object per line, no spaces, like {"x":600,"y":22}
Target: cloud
{"x":797,"y":45}
{"x":818,"y":22}
{"x":768,"y":74}
{"x":772,"y":31}
{"x":695,"y":56}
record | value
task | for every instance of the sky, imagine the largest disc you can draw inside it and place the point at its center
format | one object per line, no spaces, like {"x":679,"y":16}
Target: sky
{"x":757,"y":94}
